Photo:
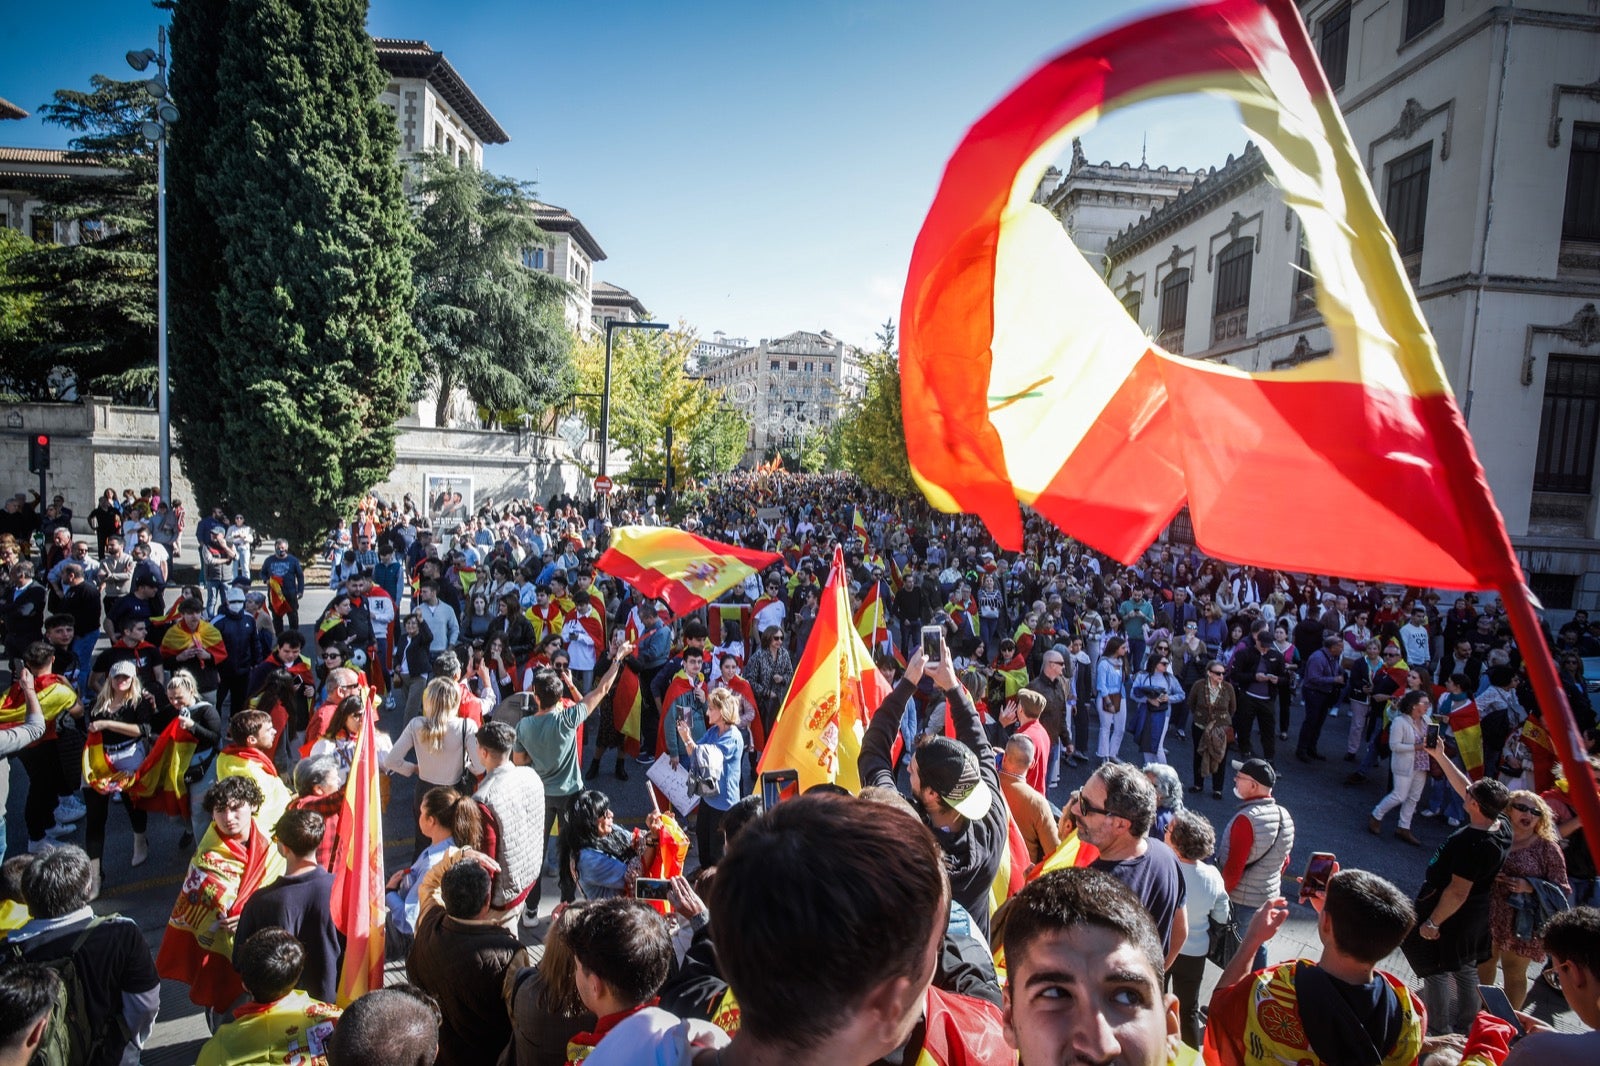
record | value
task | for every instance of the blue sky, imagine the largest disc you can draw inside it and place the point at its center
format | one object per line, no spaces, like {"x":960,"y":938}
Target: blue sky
{"x":753,"y":168}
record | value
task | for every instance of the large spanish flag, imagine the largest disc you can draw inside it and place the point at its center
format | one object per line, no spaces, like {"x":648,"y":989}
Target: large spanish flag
{"x":358,"y":883}
{"x":835,"y":689}
{"x":677,"y":566}
{"x":1024,"y":379}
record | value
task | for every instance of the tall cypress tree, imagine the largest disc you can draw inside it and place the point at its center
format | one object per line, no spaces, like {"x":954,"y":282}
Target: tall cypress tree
{"x":313,"y":349}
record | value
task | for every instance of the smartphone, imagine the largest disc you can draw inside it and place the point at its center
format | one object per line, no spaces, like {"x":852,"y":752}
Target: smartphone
{"x":1319,"y":870}
{"x":617,"y":635}
{"x":1495,"y":1002}
{"x":932,"y":639}
{"x":774,"y":785}
{"x":652,"y":888}
{"x":1431,"y":739}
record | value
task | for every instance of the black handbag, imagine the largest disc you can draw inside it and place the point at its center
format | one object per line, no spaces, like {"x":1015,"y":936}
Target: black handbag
{"x":466,"y":783}
{"x":1225,"y":939}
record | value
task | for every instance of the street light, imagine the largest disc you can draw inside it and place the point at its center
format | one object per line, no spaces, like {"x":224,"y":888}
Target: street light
{"x":605,"y":395}
{"x":156,"y":130}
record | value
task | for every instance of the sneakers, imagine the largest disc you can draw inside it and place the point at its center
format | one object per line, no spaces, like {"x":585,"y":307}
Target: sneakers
{"x":530,"y":918}
{"x":1453,"y":823}
{"x":70,"y":809}
{"x":644,"y":760}
{"x":39,"y":847}
{"x":1431,"y":813}
{"x":57,"y":831}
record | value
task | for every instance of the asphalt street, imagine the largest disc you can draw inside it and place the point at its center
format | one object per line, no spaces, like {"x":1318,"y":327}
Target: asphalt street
{"x":1328,"y":817}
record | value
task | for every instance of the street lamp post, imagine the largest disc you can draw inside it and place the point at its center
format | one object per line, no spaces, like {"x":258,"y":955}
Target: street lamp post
{"x":156,"y":130}
{"x":605,"y":395}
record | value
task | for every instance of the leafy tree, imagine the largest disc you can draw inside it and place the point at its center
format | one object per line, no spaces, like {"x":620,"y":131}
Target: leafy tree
{"x":286,"y":411}
{"x":824,"y":449}
{"x":874,"y":434}
{"x":651,"y":390}
{"x":16,"y":309}
{"x":92,"y":325}
{"x":489,"y":324}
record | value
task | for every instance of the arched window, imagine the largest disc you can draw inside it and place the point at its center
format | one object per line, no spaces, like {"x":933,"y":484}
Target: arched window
{"x":1174,"y":310}
{"x":1232,"y":304}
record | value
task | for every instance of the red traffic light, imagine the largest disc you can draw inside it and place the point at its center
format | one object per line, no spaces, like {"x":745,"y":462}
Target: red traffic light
{"x":42,"y":440}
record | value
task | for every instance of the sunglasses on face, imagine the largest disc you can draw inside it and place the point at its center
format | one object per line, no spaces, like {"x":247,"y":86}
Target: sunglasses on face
{"x":1526,"y":808}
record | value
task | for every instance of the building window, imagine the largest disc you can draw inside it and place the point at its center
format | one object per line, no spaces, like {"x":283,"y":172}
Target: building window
{"x":1581,"y":221}
{"x":1421,"y":14}
{"x":794,"y":364}
{"x":1305,"y":283}
{"x":1568,"y":425}
{"x":808,"y":368}
{"x":1231,"y":308}
{"x":438,"y":135}
{"x":533,"y":258}
{"x":827,"y":368}
{"x":1174,"y":311}
{"x":1555,"y":591}
{"x":1131,"y":303}
{"x":775,"y":364}
{"x":42,"y":228}
{"x":1333,"y":45}
{"x":1405,"y":204}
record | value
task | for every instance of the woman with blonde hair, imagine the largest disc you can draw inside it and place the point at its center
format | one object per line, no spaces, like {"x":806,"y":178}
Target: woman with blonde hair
{"x":722,"y":732}
{"x":204,"y":722}
{"x":122,"y":714}
{"x":447,"y":755}
{"x":1517,"y":907}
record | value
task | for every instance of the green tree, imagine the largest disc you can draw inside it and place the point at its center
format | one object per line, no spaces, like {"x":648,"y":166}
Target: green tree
{"x":651,"y":390}
{"x":489,"y":324}
{"x":287,"y":410}
{"x":16,"y":309}
{"x":824,"y":449}
{"x":874,"y":434}
{"x":92,"y":325}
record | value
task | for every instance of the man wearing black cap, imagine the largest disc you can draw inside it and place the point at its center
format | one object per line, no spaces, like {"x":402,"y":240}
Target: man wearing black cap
{"x":1254,"y":849}
{"x":954,"y":783}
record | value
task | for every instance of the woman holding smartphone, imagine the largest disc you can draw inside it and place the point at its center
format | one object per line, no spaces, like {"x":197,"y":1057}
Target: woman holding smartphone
{"x":1408,"y":761}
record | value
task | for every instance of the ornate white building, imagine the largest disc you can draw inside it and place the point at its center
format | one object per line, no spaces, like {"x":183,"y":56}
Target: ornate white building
{"x":790,"y":386}
{"x":433,"y":106}
{"x":1479,"y":124}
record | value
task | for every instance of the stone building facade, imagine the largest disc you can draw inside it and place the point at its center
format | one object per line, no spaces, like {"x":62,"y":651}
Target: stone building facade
{"x":790,"y":386}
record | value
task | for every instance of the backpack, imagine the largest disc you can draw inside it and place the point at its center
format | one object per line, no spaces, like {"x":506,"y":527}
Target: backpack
{"x":70,"y":1037}
{"x":705,"y":770}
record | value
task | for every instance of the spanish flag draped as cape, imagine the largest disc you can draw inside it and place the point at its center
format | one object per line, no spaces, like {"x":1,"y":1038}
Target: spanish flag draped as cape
{"x":679,"y":567}
{"x":835,"y":689}
{"x":56,"y":697}
{"x":204,"y":636}
{"x":197,"y":949}
{"x":236,"y":760}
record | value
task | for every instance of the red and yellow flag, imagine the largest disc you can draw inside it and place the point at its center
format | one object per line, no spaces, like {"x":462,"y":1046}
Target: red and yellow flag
{"x":277,"y":602}
{"x":858,"y":525}
{"x":204,"y":636}
{"x":1467,"y":726}
{"x":718,"y":615}
{"x":197,"y":947}
{"x":685,"y":570}
{"x":1030,"y":382}
{"x":156,"y":784}
{"x":835,"y":689}
{"x":358,"y":883}
{"x":56,"y":697}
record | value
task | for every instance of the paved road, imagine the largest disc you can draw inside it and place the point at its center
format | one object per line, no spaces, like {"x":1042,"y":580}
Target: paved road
{"x":1328,"y":817}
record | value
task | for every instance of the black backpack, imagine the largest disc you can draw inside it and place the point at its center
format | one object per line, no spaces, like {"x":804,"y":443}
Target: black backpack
{"x":70,"y":1037}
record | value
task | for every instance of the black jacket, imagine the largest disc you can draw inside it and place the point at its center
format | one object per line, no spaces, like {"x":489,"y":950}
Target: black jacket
{"x":973,"y":854}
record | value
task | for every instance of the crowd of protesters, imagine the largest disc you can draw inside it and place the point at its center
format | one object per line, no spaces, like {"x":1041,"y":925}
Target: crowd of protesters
{"x":832,"y":929}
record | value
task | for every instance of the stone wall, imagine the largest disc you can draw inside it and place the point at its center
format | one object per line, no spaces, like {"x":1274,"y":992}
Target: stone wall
{"x":99,"y":445}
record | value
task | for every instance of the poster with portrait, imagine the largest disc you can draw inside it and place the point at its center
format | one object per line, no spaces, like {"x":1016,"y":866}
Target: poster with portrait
{"x":449,"y":502}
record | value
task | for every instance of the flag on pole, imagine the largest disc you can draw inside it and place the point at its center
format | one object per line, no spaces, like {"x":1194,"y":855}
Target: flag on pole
{"x":835,"y":689}
{"x":358,"y":883}
{"x":873,"y":625}
{"x":685,"y":570}
{"x":858,"y":525}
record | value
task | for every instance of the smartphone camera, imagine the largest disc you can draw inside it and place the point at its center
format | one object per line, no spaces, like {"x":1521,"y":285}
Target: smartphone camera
{"x":1431,"y":739}
{"x":652,"y":888}
{"x":932,"y":641}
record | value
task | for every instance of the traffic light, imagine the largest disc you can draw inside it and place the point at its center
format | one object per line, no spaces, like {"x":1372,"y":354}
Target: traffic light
{"x":38,"y":453}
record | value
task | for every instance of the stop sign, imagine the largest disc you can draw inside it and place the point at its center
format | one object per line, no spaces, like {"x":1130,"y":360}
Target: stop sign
{"x":602,"y":485}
